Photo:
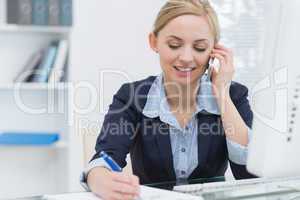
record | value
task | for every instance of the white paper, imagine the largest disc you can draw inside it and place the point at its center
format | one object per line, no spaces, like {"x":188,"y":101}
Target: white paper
{"x":147,"y":193}
{"x":72,"y":196}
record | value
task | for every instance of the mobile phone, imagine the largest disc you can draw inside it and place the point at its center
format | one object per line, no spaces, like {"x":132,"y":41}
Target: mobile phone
{"x":213,"y":62}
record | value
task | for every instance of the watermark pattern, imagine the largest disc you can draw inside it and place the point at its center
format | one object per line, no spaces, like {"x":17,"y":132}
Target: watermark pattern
{"x":55,"y":96}
{"x":277,"y":83}
{"x":61,"y":98}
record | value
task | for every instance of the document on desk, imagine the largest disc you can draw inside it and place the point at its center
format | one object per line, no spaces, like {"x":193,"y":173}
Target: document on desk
{"x":147,"y":193}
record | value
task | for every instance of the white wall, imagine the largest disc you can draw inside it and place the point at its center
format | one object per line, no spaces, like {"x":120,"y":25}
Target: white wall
{"x":110,"y":35}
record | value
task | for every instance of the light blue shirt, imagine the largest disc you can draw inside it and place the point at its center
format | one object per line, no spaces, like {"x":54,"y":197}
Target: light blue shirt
{"x":184,"y":141}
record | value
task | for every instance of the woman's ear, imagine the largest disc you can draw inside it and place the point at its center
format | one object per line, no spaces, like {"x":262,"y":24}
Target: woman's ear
{"x":153,"y":42}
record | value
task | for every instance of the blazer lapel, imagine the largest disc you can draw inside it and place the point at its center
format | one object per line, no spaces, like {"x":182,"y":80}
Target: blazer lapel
{"x":204,"y":141}
{"x":165,"y":149}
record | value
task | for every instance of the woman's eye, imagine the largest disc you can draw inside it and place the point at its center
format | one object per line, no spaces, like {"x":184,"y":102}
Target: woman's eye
{"x":200,"y":49}
{"x":173,"y":46}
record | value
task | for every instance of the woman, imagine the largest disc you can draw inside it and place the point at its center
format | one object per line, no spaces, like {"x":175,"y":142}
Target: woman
{"x":182,"y":124}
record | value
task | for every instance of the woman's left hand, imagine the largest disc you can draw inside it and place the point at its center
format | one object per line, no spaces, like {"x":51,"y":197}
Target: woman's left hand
{"x":221,"y":78}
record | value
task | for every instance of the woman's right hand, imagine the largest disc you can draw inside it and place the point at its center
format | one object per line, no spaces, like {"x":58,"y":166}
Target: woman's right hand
{"x":113,"y":185}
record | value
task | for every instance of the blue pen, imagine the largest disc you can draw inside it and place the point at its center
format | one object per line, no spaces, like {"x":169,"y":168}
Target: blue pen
{"x":111,"y":163}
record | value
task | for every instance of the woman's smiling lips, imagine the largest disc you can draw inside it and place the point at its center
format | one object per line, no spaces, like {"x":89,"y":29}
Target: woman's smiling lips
{"x":183,"y":71}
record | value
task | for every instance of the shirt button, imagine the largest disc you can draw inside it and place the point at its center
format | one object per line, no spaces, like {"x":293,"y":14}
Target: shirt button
{"x":182,"y":150}
{"x":183,"y":172}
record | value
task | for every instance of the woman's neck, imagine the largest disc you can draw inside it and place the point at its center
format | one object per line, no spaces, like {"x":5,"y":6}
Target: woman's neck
{"x":182,"y":98}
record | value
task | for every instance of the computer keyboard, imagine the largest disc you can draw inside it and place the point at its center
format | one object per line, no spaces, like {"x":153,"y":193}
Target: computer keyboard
{"x":246,"y":186}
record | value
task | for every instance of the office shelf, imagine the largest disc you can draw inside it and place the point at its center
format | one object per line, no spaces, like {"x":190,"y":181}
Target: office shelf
{"x":38,"y":107}
{"x":34,"y":29}
{"x":54,"y":146}
{"x":34,"y":86}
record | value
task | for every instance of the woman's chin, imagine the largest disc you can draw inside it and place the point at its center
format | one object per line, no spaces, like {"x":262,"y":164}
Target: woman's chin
{"x":183,"y":78}
{"x":184,"y":81}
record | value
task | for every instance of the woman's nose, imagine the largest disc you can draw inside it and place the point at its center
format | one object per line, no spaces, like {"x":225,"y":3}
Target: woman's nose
{"x":186,"y":55}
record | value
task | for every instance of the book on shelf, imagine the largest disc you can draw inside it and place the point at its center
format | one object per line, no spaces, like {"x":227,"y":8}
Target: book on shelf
{"x":65,"y":74}
{"x":33,"y":62}
{"x":41,"y":73}
{"x":40,"y":12}
{"x":54,"y":12}
{"x":46,"y":65}
{"x":66,"y":18}
{"x":28,"y":138}
{"x":58,"y":68}
{"x":19,"y":12}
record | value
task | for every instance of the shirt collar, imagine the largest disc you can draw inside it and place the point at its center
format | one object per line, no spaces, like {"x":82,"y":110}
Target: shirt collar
{"x":157,"y":105}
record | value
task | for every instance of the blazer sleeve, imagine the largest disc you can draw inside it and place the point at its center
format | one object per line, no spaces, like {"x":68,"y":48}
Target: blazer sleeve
{"x":118,"y":129}
{"x":239,"y":94}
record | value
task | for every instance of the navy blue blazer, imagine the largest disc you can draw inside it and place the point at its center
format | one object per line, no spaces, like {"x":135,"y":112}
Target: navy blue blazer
{"x":126,"y":130}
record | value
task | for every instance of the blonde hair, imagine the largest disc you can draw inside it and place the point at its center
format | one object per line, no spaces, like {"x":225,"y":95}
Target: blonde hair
{"x":176,"y":8}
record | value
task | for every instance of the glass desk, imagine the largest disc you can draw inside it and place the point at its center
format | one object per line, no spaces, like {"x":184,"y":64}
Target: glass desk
{"x":170,"y":184}
{"x":266,"y":193}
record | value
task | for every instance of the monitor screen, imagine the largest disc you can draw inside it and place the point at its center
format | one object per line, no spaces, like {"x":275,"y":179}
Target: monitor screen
{"x":274,"y":148}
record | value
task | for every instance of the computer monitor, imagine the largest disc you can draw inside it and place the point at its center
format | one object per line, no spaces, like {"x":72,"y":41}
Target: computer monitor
{"x":274,"y":149}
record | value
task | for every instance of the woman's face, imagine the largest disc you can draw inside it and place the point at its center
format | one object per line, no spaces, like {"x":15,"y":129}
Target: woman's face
{"x":184,"y":46}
